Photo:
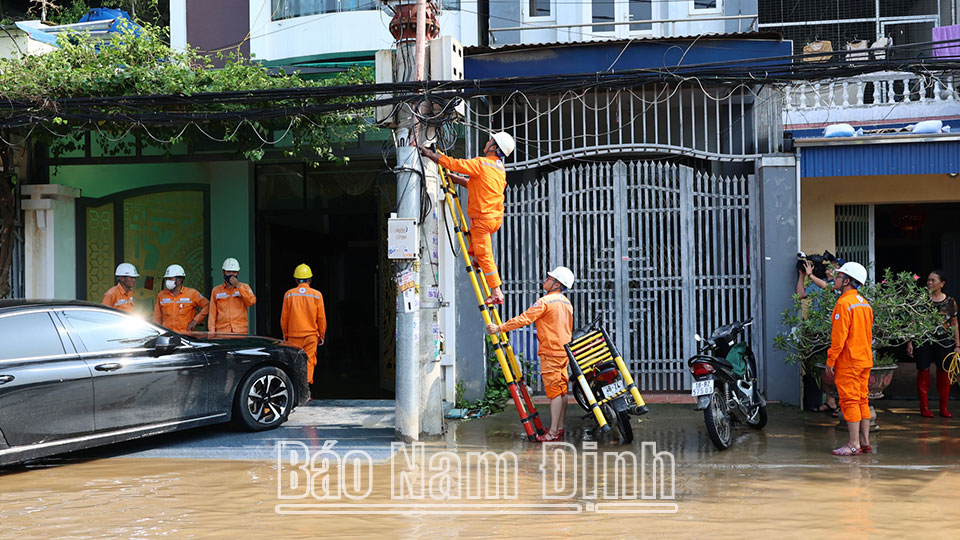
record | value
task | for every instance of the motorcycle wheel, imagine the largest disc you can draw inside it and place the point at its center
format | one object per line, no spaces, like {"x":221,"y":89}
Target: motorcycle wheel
{"x":759,"y":418}
{"x":621,"y":420}
{"x":580,"y":396}
{"x":719,"y":427}
{"x":625,"y":427}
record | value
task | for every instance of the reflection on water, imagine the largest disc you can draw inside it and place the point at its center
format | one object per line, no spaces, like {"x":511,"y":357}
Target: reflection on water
{"x":777,"y":483}
{"x":142,"y":498}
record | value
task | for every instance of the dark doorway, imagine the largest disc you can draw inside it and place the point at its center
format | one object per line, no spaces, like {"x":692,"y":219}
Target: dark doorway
{"x":917,"y":238}
{"x":331,"y":220}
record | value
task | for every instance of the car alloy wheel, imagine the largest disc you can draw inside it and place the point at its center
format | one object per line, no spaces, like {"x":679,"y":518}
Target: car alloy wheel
{"x":268,"y":399}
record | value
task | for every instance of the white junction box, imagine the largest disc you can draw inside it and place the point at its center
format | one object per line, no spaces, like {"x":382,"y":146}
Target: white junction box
{"x":403,"y":238}
{"x":446,"y":62}
{"x":385,"y":115}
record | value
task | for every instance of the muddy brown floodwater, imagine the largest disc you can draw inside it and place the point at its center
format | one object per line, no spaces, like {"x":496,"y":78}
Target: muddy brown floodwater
{"x":779,"y":483}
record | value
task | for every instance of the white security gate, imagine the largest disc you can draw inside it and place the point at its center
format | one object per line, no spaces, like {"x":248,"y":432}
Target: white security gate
{"x":659,"y":250}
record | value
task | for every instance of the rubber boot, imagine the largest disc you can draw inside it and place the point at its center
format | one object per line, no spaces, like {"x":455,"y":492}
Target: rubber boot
{"x":923,"y":391}
{"x":943,"y":385}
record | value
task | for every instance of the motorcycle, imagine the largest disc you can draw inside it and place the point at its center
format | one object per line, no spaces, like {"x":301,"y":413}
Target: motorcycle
{"x":604,"y":380}
{"x":725,"y":383}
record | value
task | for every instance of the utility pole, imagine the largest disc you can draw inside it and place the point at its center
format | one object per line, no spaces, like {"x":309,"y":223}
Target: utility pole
{"x":411,"y":26}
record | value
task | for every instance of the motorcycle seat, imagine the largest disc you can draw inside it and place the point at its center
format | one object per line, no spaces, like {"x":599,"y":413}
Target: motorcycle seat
{"x":722,"y":362}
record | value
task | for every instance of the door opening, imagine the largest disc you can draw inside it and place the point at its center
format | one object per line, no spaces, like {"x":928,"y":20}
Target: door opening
{"x":331,"y":219}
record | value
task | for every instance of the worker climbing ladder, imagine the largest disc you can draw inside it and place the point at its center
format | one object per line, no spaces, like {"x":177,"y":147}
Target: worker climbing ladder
{"x":501,"y":344}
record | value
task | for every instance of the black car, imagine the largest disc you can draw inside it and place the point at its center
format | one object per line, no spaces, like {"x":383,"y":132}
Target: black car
{"x":75,"y":375}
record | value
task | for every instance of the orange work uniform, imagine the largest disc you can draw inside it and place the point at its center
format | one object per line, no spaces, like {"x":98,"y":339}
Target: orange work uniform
{"x":303,"y":321}
{"x":851,"y":353}
{"x":176,"y":311}
{"x":228,"y":308}
{"x":118,"y":297}
{"x":553,"y":314}
{"x":487,"y":181}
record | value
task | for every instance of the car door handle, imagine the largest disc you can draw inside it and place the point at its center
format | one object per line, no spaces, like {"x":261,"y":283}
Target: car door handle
{"x":112,"y":366}
{"x":4,"y":379}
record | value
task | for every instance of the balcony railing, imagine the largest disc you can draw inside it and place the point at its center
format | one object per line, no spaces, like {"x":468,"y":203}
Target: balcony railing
{"x":288,"y":9}
{"x":885,"y":88}
{"x":877,"y":98}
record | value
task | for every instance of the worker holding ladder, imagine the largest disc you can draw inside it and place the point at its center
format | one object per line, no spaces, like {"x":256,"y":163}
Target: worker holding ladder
{"x":553,"y":315}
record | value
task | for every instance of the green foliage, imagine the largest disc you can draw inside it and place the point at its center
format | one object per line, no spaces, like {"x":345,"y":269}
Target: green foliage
{"x":902,"y":312}
{"x":497,"y":394}
{"x":131,"y":65}
{"x":70,"y":12}
{"x":156,"y":12}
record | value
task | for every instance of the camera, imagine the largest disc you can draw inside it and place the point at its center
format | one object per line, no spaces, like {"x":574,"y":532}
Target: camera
{"x":820,"y":262}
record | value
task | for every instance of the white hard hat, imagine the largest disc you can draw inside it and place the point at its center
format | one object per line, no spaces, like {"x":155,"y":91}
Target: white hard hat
{"x":855,"y":271}
{"x":505,"y":142}
{"x":174,"y":270}
{"x":562,"y":274}
{"x":126,"y":270}
{"x":231,"y":265}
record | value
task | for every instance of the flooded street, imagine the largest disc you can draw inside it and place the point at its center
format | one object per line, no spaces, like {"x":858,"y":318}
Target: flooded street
{"x":780,"y":481}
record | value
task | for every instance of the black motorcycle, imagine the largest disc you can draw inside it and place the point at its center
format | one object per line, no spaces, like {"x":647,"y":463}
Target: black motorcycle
{"x":725,"y":383}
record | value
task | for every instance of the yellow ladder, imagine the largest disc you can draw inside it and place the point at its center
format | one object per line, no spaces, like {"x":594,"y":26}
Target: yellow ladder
{"x":501,"y":344}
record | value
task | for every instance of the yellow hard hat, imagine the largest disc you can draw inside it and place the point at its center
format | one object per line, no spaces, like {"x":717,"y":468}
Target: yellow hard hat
{"x":303,"y":272}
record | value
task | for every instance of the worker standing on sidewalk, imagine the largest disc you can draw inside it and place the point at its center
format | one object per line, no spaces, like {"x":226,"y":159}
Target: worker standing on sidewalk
{"x":553,"y":314}
{"x":177,"y":306}
{"x":303,"y":320}
{"x":850,"y":356}
{"x":229,"y":302}
{"x":120,"y":296}
{"x":485,"y":182}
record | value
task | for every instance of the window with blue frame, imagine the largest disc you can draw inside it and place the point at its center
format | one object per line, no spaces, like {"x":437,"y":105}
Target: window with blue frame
{"x":288,"y":9}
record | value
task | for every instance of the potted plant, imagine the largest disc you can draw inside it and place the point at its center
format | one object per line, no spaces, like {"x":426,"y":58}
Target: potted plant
{"x":902,"y":312}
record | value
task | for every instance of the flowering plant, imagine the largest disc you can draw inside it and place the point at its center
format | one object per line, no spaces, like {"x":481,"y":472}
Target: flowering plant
{"x":902,"y":312}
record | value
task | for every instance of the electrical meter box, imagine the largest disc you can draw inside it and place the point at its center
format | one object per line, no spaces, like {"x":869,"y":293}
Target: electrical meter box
{"x":403,"y":238}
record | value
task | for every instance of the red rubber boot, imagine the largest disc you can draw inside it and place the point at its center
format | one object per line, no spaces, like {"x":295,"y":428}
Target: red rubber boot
{"x":943,"y":385}
{"x":923,"y":392}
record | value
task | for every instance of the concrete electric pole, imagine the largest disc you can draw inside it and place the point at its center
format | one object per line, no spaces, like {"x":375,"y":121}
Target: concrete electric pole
{"x":419,"y":407}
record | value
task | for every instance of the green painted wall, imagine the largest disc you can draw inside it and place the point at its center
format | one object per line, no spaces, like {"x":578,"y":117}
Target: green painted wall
{"x":231,"y":206}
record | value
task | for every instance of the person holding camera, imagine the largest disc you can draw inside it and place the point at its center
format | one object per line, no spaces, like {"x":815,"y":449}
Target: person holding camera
{"x":818,"y":270}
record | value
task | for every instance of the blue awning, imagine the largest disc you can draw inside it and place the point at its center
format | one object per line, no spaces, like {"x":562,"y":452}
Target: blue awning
{"x":546,"y":59}
{"x":876,"y":156}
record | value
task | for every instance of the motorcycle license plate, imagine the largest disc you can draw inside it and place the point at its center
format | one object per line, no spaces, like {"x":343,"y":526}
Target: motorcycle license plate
{"x":702,"y":388}
{"x":611,"y":389}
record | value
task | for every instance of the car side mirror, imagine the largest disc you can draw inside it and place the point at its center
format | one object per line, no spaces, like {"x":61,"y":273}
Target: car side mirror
{"x":168,"y":343}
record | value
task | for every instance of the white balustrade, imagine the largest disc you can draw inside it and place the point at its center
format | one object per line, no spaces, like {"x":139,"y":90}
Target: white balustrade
{"x":888,"y":88}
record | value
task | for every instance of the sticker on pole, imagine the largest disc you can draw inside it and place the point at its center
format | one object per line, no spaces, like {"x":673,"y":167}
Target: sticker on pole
{"x":408,"y":293}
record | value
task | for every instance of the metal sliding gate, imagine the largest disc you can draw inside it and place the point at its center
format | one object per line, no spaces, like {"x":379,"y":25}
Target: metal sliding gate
{"x":661,"y":251}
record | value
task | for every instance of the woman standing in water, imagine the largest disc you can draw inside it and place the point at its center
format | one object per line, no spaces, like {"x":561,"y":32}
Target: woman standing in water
{"x":946,"y":342}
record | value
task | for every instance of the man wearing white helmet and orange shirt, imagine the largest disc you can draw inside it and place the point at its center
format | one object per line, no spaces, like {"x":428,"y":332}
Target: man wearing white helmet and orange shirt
{"x":553,"y":315}
{"x":485,"y":182}
{"x":120,"y":296}
{"x":229,"y":302}
{"x":850,"y":356}
{"x":177,"y":306}
{"x":303,"y":320}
